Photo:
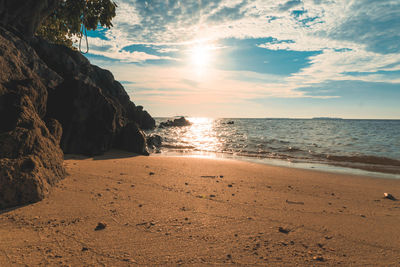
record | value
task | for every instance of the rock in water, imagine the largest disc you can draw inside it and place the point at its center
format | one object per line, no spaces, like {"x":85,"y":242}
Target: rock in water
{"x":132,"y":139}
{"x":177,"y":122}
{"x":94,"y":110}
{"x":30,"y":158}
{"x":154,"y":141}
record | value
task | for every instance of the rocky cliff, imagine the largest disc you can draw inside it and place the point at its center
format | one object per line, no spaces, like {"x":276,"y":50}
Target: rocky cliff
{"x":52,"y":100}
{"x":91,"y":106}
{"x":30,"y":156}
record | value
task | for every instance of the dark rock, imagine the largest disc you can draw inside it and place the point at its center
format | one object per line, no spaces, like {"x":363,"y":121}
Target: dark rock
{"x":52,"y":97}
{"x":93,"y":109}
{"x":55,"y":129}
{"x":154,"y":141}
{"x":318,"y":258}
{"x":177,"y":123}
{"x":283,"y":230}
{"x":389,"y":196}
{"x":24,"y":16}
{"x":30,"y":158}
{"x":100,"y":226}
{"x":230,"y":122}
{"x":132,"y":139}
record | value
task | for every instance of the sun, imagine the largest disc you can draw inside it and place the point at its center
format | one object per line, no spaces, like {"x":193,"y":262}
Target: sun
{"x":200,"y":55}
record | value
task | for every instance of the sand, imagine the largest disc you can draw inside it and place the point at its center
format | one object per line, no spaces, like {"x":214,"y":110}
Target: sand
{"x":193,"y":211}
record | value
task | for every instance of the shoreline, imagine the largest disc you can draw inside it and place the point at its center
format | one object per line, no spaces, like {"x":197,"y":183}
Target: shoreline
{"x":295,"y":163}
{"x":194,"y":211}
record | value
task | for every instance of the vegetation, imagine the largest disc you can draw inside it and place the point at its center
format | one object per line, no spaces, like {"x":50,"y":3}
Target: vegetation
{"x":66,"y":21}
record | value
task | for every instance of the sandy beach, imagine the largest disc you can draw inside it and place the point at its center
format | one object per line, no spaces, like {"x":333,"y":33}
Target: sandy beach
{"x":118,"y":210}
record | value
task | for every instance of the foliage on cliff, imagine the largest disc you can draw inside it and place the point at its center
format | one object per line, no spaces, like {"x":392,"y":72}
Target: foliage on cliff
{"x":66,"y":21}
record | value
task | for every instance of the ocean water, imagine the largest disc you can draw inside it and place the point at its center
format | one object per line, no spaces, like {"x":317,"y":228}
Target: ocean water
{"x":371,"y":145}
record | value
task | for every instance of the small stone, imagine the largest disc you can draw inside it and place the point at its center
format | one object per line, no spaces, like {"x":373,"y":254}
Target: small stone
{"x":151,"y":173}
{"x":221,"y":176}
{"x":318,"y":258}
{"x":85,"y":249}
{"x":140,"y":205}
{"x":100,"y":226}
{"x":186,"y":183}
{"x":229,"y":256}
{"x":389,"y":196}
{"x":212,"y":195}
{"x":229,"y":185}
{"x":283,"y":230}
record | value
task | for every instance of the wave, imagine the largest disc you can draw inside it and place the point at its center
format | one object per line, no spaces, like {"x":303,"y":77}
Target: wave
{"x":177,"y":146}
{"x":365,"y":159}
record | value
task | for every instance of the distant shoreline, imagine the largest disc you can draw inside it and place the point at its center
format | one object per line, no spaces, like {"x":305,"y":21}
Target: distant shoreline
{"x":347,"y":146}
{"x":277,"y":118}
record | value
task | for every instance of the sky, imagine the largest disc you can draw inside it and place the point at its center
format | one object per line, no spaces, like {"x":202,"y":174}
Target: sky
{"x":256,"y":58}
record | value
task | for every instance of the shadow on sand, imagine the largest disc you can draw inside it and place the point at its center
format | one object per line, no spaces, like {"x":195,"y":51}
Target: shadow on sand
{"x":112,"y":154}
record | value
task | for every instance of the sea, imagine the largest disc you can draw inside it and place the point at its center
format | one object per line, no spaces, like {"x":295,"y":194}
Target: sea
{"x":366,"y":147}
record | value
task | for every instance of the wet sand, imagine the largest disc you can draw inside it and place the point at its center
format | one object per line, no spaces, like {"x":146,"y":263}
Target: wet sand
{"x":191,"y":211}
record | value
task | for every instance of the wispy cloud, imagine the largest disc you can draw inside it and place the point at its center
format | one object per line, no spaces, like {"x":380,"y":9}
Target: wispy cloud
{"x":348,"y":37}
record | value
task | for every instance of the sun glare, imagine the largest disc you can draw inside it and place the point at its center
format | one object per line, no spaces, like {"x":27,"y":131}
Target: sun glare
{"x":200,"y":55}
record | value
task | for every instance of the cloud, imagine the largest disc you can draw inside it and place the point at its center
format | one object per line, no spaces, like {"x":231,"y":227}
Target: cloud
{"x":289,"y":5}
{"x":347,"y":37}
{"x":229,"y":13}
{"x":375,"y":24}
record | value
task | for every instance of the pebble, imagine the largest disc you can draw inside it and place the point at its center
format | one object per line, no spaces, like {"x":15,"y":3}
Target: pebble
{"x":318,"y":258}
{"x":100,"y":226}
{"x":389,"y":196}
{"x":283,"y":230}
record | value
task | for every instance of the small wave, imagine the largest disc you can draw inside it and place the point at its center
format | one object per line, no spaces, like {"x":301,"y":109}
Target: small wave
{"x":177,"y":146}
{"x":365,"y":159}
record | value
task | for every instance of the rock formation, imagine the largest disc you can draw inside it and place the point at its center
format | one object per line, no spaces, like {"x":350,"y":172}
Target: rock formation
{"x":177,"y":122}
{"x":91,"y":106}
{"x":52,"y":100}
{"x":30,"y":157}
{"x":23,"y":17}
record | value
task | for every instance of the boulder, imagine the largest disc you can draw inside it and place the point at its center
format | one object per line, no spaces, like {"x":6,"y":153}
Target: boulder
{"x":23,"y":17}
{"x":91,"y":106}
{"x":30,"y":158}
{"x":177,"y":123}
{"x":132,"y":139}
{"x":154,"y":142}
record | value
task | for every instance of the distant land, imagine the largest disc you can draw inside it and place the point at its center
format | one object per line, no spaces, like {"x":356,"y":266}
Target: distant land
{"x":326,"y":118}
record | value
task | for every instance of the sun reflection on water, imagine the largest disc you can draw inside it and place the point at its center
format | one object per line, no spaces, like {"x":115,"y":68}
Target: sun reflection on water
{"x":202,"y":134}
